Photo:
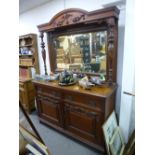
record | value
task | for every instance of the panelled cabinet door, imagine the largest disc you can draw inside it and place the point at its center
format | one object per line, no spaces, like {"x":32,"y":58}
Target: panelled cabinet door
{"x":81,"y":121}
{"x":23,"y":96}
{"x":26,"y":95}
{"x":49,"y":109}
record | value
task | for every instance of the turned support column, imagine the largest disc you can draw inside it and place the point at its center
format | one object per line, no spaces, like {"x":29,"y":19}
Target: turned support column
{"x":43,"y":51}
{"x":111,"y":50}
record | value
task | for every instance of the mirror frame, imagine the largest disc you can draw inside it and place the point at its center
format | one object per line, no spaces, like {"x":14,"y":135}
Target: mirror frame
{"x":73,"y":21}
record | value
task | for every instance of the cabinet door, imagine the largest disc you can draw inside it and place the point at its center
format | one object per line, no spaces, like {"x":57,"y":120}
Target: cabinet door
{"x":22,"y":99}
{"x":81,"y":121}
{"x":49,"y":109}
{"x":23,"y":96}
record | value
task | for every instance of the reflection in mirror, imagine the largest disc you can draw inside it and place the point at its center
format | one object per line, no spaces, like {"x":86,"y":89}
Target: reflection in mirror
{"x":82,"y":52}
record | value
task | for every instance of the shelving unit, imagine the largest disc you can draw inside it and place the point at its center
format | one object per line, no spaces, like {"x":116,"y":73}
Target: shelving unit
{"x":28,"y":53}
{"x":28,"y":62}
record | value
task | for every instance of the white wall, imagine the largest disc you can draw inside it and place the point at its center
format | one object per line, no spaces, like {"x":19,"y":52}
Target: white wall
{"x":127,"y":102}
{"x":121,"y":30}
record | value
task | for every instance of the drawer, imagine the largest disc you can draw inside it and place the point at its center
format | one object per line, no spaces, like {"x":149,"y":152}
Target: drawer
{"x":47,"y":99}
{"x":26,"y":62}
{"x":49,"y":93}
{"x":87,"y":101}
{"x":81,"y":110}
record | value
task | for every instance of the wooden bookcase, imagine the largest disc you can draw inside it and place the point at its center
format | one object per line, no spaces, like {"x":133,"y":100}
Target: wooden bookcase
{"x":28,"y":65}
{"x":28,"y":54}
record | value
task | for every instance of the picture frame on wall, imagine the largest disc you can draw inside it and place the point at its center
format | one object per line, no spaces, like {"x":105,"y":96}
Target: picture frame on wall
{"x":117,"y":143}
{"x":109,"y":128}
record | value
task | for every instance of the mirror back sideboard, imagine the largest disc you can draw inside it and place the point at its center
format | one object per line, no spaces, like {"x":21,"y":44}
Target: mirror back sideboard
{"x":72,"y":110}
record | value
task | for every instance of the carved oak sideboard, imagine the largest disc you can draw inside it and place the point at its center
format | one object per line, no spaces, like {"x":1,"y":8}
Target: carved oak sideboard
{"x":76,"y":112}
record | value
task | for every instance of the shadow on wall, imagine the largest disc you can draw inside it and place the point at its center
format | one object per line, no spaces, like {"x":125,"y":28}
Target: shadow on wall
{"x":121,"y":30}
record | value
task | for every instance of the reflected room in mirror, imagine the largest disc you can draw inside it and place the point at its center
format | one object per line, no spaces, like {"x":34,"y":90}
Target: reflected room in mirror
{"x":85,"y":52}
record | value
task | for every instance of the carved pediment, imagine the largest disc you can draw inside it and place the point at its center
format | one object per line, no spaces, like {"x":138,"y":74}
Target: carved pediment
{"x":66,"y":17}
{"x":74,"y":16}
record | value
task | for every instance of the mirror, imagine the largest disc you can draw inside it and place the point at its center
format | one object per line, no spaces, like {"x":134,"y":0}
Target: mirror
{"x":85,"y":52}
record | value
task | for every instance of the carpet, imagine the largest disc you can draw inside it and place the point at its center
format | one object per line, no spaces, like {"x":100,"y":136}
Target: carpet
{"x":58,"y":143}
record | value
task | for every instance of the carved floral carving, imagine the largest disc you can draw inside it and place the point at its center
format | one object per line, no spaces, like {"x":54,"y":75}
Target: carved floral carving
{"x":68,"y":18}
{"x":64,"y":20}
{"x":78,"y":18}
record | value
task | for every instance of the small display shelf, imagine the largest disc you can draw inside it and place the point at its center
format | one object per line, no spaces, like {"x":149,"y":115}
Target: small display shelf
{"x":28,"y":52}
{"x":28,"y":62}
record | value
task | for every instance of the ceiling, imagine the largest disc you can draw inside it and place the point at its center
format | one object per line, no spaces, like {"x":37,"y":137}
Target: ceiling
{"x":25,"y":5}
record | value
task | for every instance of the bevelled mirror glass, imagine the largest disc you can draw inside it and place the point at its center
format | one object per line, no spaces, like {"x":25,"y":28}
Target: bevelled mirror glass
{"x":85,"y":52}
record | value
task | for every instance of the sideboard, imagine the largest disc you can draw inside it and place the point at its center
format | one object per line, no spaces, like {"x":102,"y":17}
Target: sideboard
{"x":76,"y":37}
{"x":74,"y":111}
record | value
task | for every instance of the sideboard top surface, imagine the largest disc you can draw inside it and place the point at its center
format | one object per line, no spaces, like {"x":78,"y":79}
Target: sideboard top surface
{"x":24,"y":79}
{"x":102,"y":91}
